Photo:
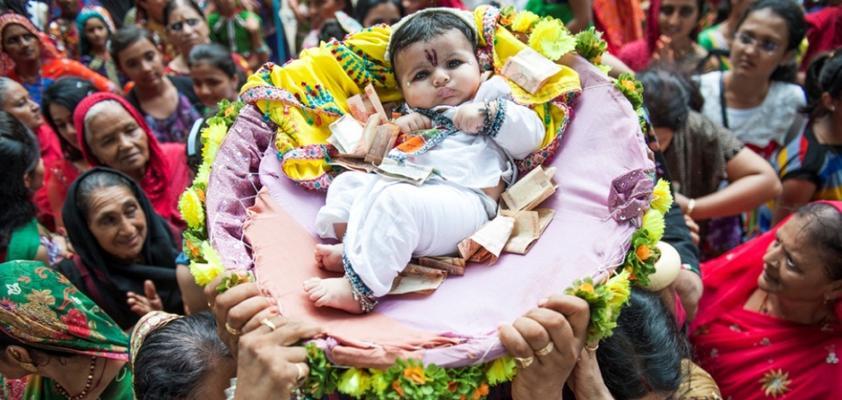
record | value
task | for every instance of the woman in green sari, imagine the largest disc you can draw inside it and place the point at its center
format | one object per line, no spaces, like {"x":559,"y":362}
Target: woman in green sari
{"x":56,"y":336}
{"x":21,"y":236}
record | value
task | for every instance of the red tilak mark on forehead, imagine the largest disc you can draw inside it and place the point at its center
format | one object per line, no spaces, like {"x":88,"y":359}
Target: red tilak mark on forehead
{"x":432,"y":57}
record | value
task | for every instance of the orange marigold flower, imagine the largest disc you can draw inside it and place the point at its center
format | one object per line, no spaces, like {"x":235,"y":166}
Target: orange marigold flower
{"x":396,"y":386}
{"x":481,"y":392}
{"x":643,"y":252}
{"x":415,"y":375}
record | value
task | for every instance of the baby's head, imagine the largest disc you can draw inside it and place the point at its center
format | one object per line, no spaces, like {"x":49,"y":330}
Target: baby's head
{"x":434,"y":57}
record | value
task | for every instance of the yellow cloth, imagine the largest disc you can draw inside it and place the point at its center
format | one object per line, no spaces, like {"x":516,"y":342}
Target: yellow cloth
{"x":305,"y":95}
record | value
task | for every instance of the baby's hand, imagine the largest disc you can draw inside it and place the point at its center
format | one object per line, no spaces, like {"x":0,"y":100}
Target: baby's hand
{"x":413,"y":122}
{"x":470,"y":118}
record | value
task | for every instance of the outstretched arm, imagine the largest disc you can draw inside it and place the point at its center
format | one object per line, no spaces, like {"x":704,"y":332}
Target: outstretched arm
{"x":752,"y":181}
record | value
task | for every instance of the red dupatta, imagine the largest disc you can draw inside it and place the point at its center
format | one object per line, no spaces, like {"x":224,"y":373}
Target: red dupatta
{"x":48,"y":50}
{"x":157,"y":181}
{"x":638,"y":53}
{"x":756,"y":356}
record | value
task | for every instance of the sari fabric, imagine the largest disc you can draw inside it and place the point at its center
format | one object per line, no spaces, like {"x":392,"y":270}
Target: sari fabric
{"x":106,"y":279}
{"x":753,"y":355}
{"x":166,"y":172}
{"x":41,"y":308}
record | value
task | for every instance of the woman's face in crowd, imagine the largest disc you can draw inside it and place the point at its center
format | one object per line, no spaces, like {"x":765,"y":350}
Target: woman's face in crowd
{"x":759,"y":44}
{"x":96,"y":32}
{"x":116,"y":140}
{"x":17,"y":102}
{"x":212,"y":85}
{"x":187,"y":28}
{"x":20,"y":44}
{"x":117,"y":221}
{"x":383,"y":13}
{"x":142,"y":63}
{"x":63,"y":119}
{"x":678,"y":18}
{"x":793,"y":268}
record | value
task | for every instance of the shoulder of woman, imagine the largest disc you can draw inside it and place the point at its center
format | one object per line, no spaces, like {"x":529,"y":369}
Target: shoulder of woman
{"x":788,"y":92}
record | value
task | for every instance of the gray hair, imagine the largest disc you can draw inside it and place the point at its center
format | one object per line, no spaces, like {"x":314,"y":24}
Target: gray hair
{"x":95,"y":110}
{"x":173,"y":360}
{"x":5,"y":82}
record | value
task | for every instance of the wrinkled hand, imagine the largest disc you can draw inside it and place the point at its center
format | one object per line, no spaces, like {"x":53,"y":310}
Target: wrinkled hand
{"x":149,"y":301}
{"x":470,"y":118}
{"x":586,"y":379}
{"x":560,"y":320}
{"x":241,"y":307}
{"x":413,"y":122}
{"x":269,"y":366}
{"x":694,"y":229}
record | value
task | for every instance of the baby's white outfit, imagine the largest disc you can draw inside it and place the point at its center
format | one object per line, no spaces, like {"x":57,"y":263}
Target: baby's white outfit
{"x":389,"y":221}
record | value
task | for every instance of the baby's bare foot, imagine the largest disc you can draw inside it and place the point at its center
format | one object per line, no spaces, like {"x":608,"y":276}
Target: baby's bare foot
{"x":329,"y":257}
{"x":332,"y":292}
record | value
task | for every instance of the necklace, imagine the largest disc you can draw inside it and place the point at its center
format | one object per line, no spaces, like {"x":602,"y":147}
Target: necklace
{"x":88,"y":383}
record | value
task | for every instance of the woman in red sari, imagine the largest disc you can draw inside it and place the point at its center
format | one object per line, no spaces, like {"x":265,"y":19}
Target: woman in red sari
{"x":28,"y":56}
{"x":112,"y":133}
{"x":769,"y":322}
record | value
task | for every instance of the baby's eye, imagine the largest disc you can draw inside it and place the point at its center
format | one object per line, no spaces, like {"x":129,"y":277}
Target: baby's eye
{"x":421,"y":75}
{"x":454,"y":63}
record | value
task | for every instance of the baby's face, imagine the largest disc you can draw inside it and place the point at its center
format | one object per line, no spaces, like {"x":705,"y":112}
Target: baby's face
{"x":442,"y":71}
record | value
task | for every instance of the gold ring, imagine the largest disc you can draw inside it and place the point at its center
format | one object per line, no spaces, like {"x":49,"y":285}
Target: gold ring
{"x":232,"y":331}
{"x":268,"y":323}
{"x":545,"y":350}
{"x":524,"y":362}
{"x":591,"y":348}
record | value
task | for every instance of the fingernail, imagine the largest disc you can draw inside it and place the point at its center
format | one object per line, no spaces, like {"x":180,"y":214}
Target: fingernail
{"x":543,"y":302}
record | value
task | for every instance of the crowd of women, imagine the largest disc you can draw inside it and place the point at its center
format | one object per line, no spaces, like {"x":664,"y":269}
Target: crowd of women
{"x":101,"y":102}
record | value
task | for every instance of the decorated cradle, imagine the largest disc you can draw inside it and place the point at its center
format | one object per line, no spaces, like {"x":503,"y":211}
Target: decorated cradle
{"x":249,"y":210}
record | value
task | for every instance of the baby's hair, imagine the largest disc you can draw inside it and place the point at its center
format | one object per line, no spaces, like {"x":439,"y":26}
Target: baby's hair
{"x":426,"y":26}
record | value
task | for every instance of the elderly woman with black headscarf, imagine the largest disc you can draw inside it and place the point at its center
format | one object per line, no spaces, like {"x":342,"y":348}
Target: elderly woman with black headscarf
{"x":126,"y":252}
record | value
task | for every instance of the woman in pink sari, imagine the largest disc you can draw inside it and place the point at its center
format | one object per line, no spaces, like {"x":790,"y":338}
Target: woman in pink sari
{"x":769,"y":322}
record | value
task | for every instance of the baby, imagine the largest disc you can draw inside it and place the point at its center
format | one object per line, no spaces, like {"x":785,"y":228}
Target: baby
{"x":383,"y":222}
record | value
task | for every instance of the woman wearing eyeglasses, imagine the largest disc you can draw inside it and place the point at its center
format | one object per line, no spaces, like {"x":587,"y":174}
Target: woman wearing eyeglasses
{"x":670,"y":39}
{"x":755,"y":99}
{"x":186,"y":28}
